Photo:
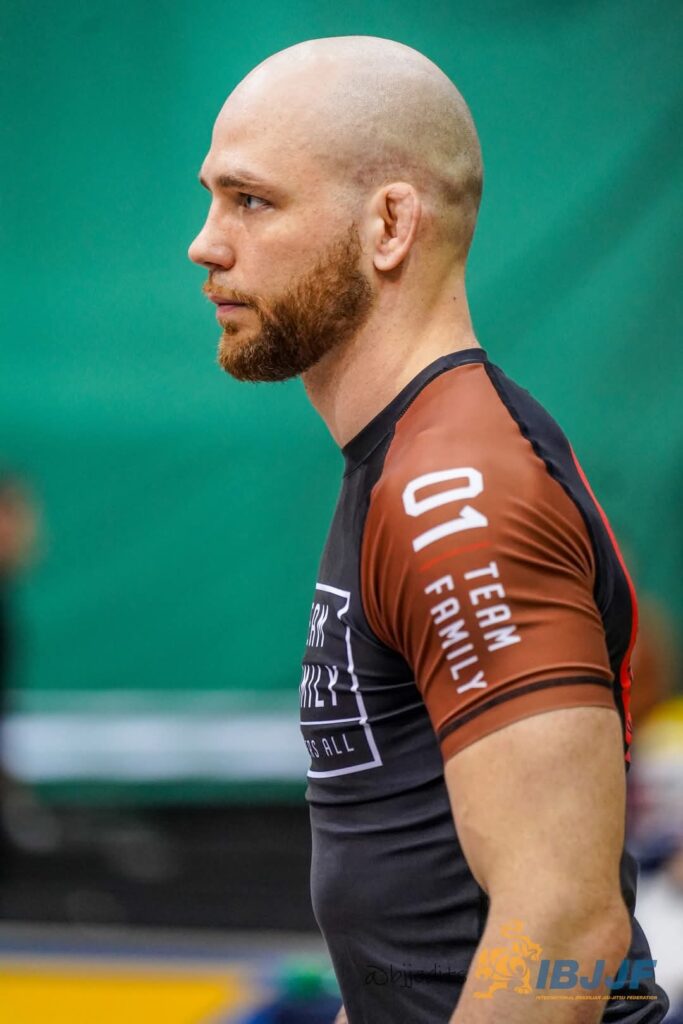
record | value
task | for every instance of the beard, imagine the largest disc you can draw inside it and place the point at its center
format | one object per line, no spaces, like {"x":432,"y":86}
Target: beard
{"x":324,"y":308}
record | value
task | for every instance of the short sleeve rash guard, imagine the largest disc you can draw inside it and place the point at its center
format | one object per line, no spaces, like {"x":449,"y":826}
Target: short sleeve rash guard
{"x":478,"y":568}
{"x":469,"y":579}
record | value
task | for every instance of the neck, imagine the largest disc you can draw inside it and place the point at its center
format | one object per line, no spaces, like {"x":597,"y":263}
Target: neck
{"x":350,"y":385}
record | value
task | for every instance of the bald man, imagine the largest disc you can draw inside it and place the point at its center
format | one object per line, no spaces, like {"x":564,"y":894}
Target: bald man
{"x":465,"y":688}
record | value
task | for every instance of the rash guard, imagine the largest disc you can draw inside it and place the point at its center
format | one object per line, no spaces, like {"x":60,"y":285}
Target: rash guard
{"x":469,"y":580}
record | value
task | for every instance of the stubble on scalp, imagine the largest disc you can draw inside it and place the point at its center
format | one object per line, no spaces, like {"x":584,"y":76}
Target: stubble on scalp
{"x":372,"y":111}
{"x":318,"y":313}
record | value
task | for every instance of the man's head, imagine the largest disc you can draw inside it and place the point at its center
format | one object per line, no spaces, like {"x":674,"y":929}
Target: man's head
{"x":338,"y":169}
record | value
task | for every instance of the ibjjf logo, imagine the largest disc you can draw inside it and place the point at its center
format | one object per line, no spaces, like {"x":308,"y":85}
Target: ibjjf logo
{"x":334,"y":722}
{"x":509,"y":965}
{"x":517,"y":966}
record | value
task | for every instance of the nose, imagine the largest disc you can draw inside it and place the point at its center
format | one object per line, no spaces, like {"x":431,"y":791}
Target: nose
{"x":210,"y":249}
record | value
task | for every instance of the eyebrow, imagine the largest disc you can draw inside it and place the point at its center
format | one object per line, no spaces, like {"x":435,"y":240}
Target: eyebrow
{"x":239,"y":180}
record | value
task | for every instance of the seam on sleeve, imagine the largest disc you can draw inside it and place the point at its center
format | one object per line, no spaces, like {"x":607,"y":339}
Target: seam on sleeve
{"x":499,"y":387}
{"x":520,"y":691}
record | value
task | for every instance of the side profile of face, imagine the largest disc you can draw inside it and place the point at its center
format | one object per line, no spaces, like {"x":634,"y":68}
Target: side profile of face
{"x":327,"y":164}
{"x":280,"y":243}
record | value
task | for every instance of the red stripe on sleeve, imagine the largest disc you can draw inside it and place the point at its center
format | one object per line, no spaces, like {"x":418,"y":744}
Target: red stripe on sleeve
{"x":625,"y":667}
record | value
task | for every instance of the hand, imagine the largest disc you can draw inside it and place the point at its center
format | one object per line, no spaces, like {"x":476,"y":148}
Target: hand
{"x":341,"y":1017}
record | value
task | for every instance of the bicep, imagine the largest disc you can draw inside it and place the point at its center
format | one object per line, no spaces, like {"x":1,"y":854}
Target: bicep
{"x":542,"y":800}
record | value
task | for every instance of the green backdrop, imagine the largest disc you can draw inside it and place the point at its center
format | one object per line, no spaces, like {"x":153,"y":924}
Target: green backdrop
{"x":184,"y":513}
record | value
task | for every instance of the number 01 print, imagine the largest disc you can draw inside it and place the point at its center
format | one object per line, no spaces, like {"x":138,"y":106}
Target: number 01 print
{"x":468,"y":517}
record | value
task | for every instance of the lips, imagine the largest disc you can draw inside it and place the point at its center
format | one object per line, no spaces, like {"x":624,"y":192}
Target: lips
{"x":221,"y":300}
{"x":228,"y":309}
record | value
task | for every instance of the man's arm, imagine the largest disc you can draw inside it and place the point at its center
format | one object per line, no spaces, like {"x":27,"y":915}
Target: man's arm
{"x":539,"y":809}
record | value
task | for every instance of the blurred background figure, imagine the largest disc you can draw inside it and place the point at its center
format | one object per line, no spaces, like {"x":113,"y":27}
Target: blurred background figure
{"x":305,"y":993}
{"x":18,"y":527}
{"x":18,"y":521}
{"x":655,"y":811}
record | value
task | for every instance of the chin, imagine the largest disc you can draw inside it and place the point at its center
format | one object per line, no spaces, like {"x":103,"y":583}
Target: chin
{"x":228,"y":340}
{"x":232,"y":356}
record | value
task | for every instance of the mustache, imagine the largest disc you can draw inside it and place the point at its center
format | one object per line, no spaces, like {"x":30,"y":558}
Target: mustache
{"x":212,"y":292}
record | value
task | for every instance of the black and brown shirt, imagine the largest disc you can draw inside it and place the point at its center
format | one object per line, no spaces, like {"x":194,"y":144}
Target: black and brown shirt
{"x":469,"y":580}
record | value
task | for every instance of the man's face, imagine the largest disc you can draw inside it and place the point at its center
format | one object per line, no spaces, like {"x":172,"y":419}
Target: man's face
{"x":281,"y":248}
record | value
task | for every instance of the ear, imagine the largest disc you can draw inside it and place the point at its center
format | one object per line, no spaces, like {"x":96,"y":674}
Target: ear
{"x":395,"y":215}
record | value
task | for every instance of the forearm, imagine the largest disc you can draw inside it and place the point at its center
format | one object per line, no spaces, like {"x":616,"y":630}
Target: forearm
{"x":503,"y":980}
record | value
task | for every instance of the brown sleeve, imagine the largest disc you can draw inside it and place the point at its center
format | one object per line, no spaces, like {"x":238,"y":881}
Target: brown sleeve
{"x":477,"y":567}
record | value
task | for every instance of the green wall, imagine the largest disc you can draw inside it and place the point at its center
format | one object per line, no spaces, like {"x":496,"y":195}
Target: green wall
{"x":185,"y":512}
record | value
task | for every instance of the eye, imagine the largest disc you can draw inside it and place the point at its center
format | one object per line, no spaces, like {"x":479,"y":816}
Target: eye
{"x":251,"y":202}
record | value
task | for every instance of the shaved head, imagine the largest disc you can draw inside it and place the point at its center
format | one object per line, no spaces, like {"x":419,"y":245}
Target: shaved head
{"x":345,"y":178}
{"x":372,"y":111}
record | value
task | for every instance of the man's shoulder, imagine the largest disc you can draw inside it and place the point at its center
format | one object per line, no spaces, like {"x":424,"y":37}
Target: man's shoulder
{"x":471,"y":416}
{"x":475,"y":455}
